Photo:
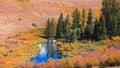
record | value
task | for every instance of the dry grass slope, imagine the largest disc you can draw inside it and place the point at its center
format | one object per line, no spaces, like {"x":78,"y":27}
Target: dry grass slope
{"x":16,"y":15}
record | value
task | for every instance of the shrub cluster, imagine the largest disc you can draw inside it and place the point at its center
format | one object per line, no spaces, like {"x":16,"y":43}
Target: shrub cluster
{"x":79,"y":62}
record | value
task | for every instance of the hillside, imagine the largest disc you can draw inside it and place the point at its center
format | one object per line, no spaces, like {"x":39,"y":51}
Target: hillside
{"x":15,"y":15}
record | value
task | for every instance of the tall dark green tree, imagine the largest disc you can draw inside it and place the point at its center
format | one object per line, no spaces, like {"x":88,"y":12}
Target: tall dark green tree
{"x":102,"y":28}
{"x":72,"y":36}
{"x":83,"y":23}
{"x":60,"y":29}
{"x":96,"y":30}
{"x":50,"y":29}
{"x":111,"y":12}
{"x":67,"y":31}
{"x":47,"y":32}
{"x":76,"y":19}
{"x":83,"y":18}
{"x":89,"y":28}
{"x":118,"y":29}
{"x":76,"y":22}
{"x":118,"y":19}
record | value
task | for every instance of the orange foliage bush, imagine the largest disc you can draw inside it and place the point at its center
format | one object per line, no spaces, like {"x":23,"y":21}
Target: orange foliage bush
{"x":116,"y":38}
{"x":79,"y":62}
{"x":113,"y":60}
{"x":25,"y":37}
{"x":90,"y":62}
{"x":115,"y":41}
{"x":67,"y":63}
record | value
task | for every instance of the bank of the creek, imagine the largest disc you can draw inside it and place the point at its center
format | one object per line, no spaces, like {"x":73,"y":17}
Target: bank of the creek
{"x":48,"y":50}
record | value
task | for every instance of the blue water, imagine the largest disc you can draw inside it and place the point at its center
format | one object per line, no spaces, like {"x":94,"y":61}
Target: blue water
{"x":48,"y":50}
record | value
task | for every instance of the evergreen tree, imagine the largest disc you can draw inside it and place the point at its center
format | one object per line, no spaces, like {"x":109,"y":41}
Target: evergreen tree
{"x":118,"y":19}
{"x":83,"y":19}
{"x":83,"y":23}
{"x":96,"y":30}
{"x":76,"y":22}
{"x":47,"y":29}
{"x":66,"y":27}
{"x":50,"y":29}
{"x":102,"y":28}
{"x":89,"y":28}
{"x":111,"y":12}
{"x":76,"y":19}
{"x":72,"y":36}
{"x":60,"y":29}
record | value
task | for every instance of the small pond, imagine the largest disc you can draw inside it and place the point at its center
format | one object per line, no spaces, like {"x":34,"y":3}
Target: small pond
{"x":48,"y":50}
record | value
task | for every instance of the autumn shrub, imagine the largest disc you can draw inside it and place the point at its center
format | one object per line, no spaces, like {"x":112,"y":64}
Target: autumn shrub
{"x":59,"y":45}
{"x":78,"y":62}
{"x":38,"y":66}
{"x":67,"y":63}
{"x":42,"y":65}
{"x":59,"y":64}
{"x":90,"y":62}
{"x":108,"y":42}
{"x":101,"y":48}
{"x":50,"y":60}
{"x":113,"y":60}
{"x":116,"y":38}
{"x":115,"y":41}
{"x":25,"y":65}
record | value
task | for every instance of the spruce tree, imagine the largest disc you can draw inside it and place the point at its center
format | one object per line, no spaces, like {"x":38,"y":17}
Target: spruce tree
{"x":96,"y":30}
{"x":47,"y":32}
{"x":111,"y":12}
{"x":102,"y":28}
{"x":72,"y":36}
{"x":83,"y":18}
{"x":67,"y":28}
{"x":89,"y":28}
{"x":76,"y":22}
{"x":50,"y":29}
{"x":60,"y":29}
{"x":76,"y":19}
{"x":83,"y":23}
{"x":118,"y":29}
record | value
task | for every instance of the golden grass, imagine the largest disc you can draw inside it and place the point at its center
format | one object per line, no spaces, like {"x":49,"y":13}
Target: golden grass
{"x":20,"y":47}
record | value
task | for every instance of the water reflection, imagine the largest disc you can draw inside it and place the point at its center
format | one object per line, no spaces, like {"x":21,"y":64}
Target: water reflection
{"x":48,"y":50}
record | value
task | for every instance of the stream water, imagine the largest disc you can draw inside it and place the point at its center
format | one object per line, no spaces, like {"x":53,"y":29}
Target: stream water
{"x":48,"y":50}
